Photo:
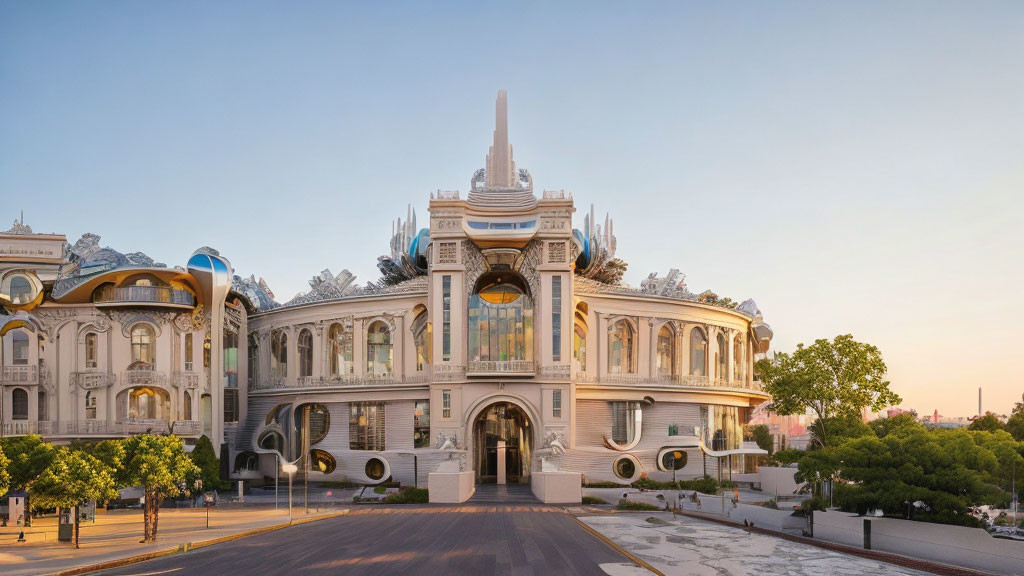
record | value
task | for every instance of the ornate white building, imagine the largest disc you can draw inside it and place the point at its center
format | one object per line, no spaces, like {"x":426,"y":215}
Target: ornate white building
{"x":499,"y":333}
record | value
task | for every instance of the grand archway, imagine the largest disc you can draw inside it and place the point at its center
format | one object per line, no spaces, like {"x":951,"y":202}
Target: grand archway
{"x":502,"y":444}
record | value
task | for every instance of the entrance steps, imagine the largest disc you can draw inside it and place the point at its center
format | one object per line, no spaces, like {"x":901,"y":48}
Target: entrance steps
{"x":495,"y":494}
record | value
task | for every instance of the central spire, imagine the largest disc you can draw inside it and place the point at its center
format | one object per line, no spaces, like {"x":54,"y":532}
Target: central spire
{"x":501,"y":169}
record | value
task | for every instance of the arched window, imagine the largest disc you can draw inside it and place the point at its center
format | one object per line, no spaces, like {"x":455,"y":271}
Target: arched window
{"x":21,"y":290}
{"x":698,"y":353}
{"x":579,"y":337}
{"x":19,"y":343}
{"x":722,"y":357}
{"x":187,"y":407}
{"x":737,"y":359}
{"x":305,"y":353}
{"x":279,"y":355}
{"x":321,"y":461}
{"x":43,"y":412}
{"x":19,"y":404}
{"x":143,"y":280}
{"x":143,"y":344}
{"x":91,"y":352}
{"x":666,"y":358}
{"x":500,"y":319}
{"x":340,"y":342}
{"x":621,"y":359}
{"x":254,"y":361}
{"x":378,"y":349}
{"x":421,"y":336}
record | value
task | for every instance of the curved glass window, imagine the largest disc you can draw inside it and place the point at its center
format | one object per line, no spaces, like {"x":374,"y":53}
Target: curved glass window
{"x":377,"y":469}
{"x":666,"y":358}
{"x":421,"y":337}
{"x":722,"y":356}
{"x":698,"y":353}
{"x":320,"y":461}
{"x":19,"y":344}
{"x":279,"y":355}
{"x":379,"y":352}
{"x":624,"y":467}
{"x":737,"y":359}
{"x":305,"y":353}
{"x":501,"y":319}
{"x":319,"y":421}
{"x":19,"y":404}
{"x":340,"y":344}
{"x":21,"y":290}
{"x":143,"y":338}
{"x":621,"y":358}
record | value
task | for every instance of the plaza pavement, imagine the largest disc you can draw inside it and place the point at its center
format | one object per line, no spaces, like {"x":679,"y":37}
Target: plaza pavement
{"x":116,"y":534}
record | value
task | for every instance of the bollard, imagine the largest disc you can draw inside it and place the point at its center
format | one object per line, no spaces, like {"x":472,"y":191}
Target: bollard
{"x":867,"y":534}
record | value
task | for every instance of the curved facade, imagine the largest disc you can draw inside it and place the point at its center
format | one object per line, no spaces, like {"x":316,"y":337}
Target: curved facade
{"x":500,"y":336}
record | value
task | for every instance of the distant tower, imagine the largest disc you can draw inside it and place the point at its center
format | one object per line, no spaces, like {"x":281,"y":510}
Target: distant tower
{"x":501,"y":169}
{"x":979,"y":401}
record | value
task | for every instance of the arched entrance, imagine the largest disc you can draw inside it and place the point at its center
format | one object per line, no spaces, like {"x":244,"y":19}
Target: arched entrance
{"x":502,"y":444}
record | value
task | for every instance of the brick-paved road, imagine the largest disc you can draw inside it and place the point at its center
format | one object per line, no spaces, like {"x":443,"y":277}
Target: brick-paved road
{"x":405,"y":540}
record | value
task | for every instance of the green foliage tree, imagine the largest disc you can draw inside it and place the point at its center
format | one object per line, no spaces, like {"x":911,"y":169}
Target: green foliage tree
{"x":987,"y":423}
{"x":29,"y":457}
{"x":832,"y":378}
{"x":72,"y":478}
{"x":5,"y":476}
{"x":1015,"y":425}
{"x":158,"y":464}
{"x":901,"y":424}
{"x":206,"y":460}
{"x":763,"y":437}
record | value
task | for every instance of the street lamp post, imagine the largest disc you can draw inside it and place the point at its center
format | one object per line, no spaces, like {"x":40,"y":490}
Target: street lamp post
{"x":290,"y":469}
{"x":277,"y":474}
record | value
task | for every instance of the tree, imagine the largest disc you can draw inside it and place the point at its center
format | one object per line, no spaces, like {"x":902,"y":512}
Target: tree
{"x":206,"y":460}
{"x":5,"y":477}
{"x":158,"y":464}
{"x":987,"y":423}
{"x":72,"y":478}
{"x":763,"y":437}
{"x":900,"y":424}
{"x":29,"y":457}
{"x":832,"y":378}
{"x":1015,"y":425}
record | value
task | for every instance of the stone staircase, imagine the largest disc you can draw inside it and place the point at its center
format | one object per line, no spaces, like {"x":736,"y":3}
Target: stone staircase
{"x":494,"y":494}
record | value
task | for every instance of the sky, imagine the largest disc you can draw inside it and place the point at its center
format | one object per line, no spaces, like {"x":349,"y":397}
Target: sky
{"x":853,"y":167}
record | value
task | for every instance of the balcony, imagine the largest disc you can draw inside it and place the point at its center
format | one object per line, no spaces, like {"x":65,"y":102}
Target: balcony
{"x":22,"y":374}
{"x":146,"y":426}
{"x":185,"y":427}
{"x":99,"y":428}
{"x":143,"y":378}
{"x":668,"y":380}
{"x":501,"y":368}
{"x":92,"y":380}
{"x":162,"y":296}
{"x":307,"y":382}
{"x":186,"y":380}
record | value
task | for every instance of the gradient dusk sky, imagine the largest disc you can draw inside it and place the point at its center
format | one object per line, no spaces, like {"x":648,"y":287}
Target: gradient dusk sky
{"x":853,"y":167}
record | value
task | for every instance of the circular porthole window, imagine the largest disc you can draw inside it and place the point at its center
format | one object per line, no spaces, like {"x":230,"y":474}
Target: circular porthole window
{"x":377,"y":469}
{"x":673,"y":459}
{"x":626,"y":468}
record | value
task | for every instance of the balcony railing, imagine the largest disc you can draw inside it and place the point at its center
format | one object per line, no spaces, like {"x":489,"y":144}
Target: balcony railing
{"x":668,"y":380}
{"x":501,"y":368}
{"x":555,"y":371}
{"x":92,"y":380}
{"x":448,"y":372}
{"x":185,"y":427}
{"x":145,"y":295}
{"x":86,"y":428}
{"x":187,"y":380}
{"x":26,"y":374}
{"x":143,"y":378}
{"x":146,"y":426}
{"x":306,"y":382}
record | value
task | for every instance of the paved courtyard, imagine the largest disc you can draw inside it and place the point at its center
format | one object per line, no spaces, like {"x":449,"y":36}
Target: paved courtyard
{"x":689,"y":547}
{"x":426,"y":540}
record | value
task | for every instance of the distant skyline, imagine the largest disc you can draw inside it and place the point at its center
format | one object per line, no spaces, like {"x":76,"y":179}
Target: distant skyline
{"x":855,"y":168}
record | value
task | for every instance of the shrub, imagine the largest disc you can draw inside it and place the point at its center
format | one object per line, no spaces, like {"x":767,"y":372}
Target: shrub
{"x":705,"y":485}
{"x":632,"y":505}
{"x":380,"y":489}
{"x":593,"y":500}
{"x":604,"y":484}
{"x":409,"y":495}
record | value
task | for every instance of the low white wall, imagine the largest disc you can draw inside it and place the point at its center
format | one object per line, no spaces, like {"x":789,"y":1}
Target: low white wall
{"x":956,"y":545}
{"x":450,"y":487}
{"x":776,"y":480}
{"x":557,"y":487}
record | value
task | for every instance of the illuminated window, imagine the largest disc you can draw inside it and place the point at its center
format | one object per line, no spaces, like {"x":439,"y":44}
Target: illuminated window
{"x":143,"y":344}
{"x":421,"y":424}
{"x":320,"y":461}
{"x":624,"y":467}
{"x":737,"y":359}
{"x":366,"y":426}
{"x":340,"y":343}
{"x":188,"y":351}
{"x":666,"y":358}
{"x":446,"y":403}
{"x":500,"y":319}
{"x":305,"y":353}
{"x":721,"y":355}
{"x":279,"y":355}
{"x":379,"y":352}
{"x":421,"y":338}
{"x":230,"y":346}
